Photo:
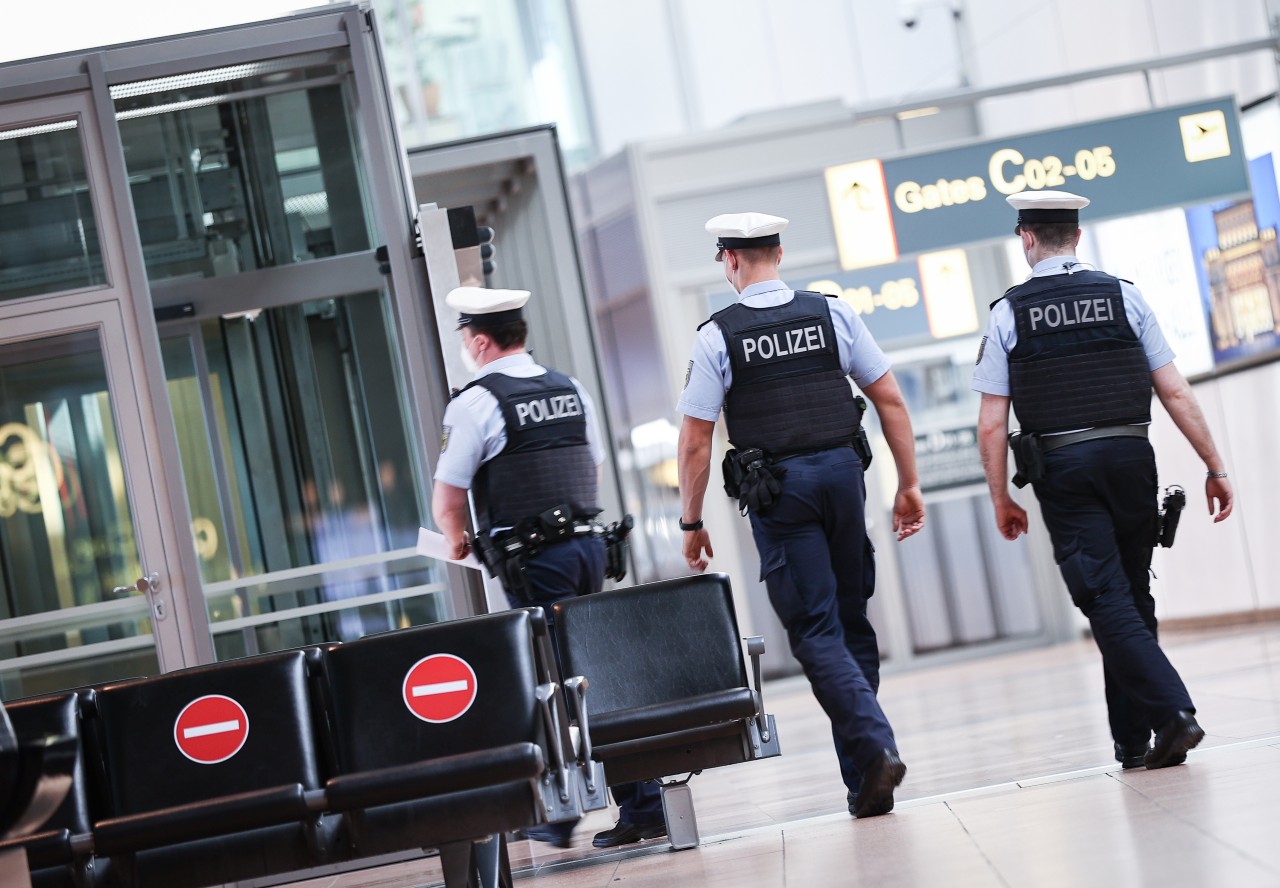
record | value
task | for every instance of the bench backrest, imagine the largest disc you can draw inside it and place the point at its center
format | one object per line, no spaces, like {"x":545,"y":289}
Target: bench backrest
{"x":374,"y":681}
{"x":56,"y":715}
{"x":162,"y":736}
{"x":652,"y":643}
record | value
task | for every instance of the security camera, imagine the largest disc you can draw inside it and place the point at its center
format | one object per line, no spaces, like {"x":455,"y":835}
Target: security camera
{"x":909,"y":12}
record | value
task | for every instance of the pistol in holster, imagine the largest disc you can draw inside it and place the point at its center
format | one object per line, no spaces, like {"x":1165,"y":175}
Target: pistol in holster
{"x":1175,"y":498}
{"x":752,"y":479}
{"x":1028,"y":458}
{"x":616,"y":547}
{"x":505,"y":556}
{"x":861,"y":445}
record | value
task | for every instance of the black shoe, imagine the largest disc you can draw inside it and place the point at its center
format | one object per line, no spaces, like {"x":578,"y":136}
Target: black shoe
{"x":1131,"y":757}
{"x":558,"y":834}
{"x":624,"y":833}
{"x":1181,"y":733}
{"x":852,"y":799}
{"x":875,"y":797}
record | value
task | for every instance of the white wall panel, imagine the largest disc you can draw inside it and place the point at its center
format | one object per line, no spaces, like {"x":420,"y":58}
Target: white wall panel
{"x":1251,"y":414}
{"x":1208,"y":570}
{"x":631,"y":70}
{"x":746,"y":56}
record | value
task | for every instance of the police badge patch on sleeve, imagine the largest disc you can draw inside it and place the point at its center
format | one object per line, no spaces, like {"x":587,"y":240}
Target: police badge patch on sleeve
{"x":982,"y":346}
{"x":444,"y":437}
{"x":688,"y":372}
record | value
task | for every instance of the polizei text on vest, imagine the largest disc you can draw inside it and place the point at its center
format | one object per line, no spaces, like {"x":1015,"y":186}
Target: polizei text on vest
{"x":784,"y":343}
{"x":1068,"y":314}
{"x":546,"y":409}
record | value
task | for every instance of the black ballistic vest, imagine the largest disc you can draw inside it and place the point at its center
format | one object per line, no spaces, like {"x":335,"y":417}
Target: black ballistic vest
{"x":547,"y":460}
{"x":789,"y":393}
{"x":1077,"y":363}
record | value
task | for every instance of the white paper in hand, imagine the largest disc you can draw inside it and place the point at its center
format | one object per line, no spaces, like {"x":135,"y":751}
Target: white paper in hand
{"x":433,"y":545}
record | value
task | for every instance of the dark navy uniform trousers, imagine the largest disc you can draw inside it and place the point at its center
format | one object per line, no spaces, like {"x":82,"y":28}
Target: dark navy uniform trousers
{"x":819,"y":568}
{"x":565,"y":570}
{"x":1098,"y":501}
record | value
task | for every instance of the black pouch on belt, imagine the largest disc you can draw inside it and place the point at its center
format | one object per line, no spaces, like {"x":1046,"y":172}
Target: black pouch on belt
{"x":1028,"y":458}
{"x":733,"y":474}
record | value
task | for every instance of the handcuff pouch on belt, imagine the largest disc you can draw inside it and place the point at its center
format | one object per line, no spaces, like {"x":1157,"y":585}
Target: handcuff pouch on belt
{"x":1028,"y":458}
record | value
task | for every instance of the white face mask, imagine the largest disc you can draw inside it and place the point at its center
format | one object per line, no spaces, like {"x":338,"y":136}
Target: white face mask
{"x":468,"y":361}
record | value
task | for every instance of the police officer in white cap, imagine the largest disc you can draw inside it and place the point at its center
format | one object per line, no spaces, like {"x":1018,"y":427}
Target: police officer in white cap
{"x":1077,"y":352}
{"x":525,"y":441}
{"x":778,"y":362}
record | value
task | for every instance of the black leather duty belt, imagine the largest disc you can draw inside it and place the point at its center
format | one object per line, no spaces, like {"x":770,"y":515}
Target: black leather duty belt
{"x":1053,"y":442}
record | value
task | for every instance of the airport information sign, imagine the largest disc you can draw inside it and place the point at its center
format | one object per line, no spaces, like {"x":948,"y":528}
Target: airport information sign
{"x":1170,"y":157}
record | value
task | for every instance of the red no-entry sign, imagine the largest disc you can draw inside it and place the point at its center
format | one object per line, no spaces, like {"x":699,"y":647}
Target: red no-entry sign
{"x":211,"y":729}
{"x":440,"y":688}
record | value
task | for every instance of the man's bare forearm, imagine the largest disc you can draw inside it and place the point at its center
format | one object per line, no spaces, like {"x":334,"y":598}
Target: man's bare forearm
{"x":694,"y":465}
{"x":993,"y":433}
{"x":1180,"y":402}
{"x":895,"y":423}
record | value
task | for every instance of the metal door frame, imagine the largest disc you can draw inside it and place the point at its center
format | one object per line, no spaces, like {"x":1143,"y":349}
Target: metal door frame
{"x":79,"y":84}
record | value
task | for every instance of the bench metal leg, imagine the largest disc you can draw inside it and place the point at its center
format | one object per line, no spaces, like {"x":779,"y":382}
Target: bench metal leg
{"x":13,"y":869}
{"x":455,"y":860}
{"x":490,"y":858}
{"x":677,"y":809}
{"x":479,"y":864}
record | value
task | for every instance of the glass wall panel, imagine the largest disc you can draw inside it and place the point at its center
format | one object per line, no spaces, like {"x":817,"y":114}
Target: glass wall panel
{"x":48,"y":233}
{"x":246,"y":167}
{"x":66,"y":530}
{"x":300,"y":475}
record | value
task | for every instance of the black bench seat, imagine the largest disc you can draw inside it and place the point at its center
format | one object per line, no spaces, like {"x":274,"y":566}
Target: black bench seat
{"x":669,"y":692}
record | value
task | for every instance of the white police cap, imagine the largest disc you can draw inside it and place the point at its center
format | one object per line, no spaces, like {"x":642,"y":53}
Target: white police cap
{"x":1046,"y":206}
{"x":740,"y":231}
{"x":490,"y":307}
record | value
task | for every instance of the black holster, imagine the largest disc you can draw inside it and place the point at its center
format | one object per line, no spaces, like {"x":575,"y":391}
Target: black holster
{"x":505,"y":556}
{"x":616,"y":548}
{"x":861,"y":445}
{"x":1175,"y":498}
{"x":1028,"y":458}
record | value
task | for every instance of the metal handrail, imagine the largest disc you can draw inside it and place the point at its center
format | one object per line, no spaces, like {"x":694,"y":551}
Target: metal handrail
{"x":259,"y":585}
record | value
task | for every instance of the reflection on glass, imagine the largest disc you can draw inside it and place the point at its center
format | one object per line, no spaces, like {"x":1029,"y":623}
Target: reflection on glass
{"x":474,"y":67}
{"x":246,"y":167}
{"x":296,"y":454}
{"x":48,"y":234}
{"x":66,"y":530}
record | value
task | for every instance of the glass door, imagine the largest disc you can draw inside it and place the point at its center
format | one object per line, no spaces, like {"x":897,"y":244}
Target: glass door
{"x":71,"y":610}
{"x":88,"y":590}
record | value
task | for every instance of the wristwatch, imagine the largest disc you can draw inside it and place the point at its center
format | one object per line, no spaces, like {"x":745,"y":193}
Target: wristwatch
{"x":696,"y":525}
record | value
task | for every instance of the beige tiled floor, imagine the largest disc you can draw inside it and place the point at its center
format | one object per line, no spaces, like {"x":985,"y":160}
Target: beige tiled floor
{"x":1011,"y":784}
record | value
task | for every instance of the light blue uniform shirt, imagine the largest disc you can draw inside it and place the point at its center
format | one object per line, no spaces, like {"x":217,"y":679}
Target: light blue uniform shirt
{"x":710,"y":374}
{"x":475,"y":432}
{"x":991,"y":375}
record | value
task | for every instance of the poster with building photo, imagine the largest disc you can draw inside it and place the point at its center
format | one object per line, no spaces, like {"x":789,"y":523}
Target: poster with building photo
{"x":1238,"y":268}
{"x":1155,"y":252}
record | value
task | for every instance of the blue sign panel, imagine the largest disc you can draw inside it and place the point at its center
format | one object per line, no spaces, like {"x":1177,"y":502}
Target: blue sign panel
{"x":1170,"y":157}
{"x":888,"y":297}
